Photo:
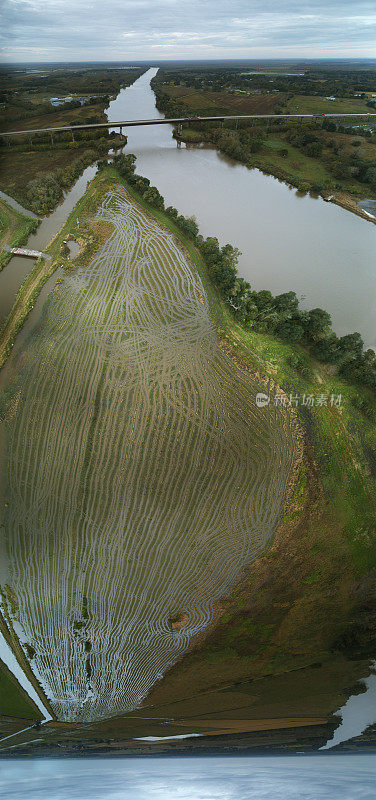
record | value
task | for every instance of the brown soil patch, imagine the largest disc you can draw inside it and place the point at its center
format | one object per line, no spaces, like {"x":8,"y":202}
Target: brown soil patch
{"x":351,"y":204}
{"x":220,"y":726}
{"x":252,"y":104}
{"x":178,"y":621}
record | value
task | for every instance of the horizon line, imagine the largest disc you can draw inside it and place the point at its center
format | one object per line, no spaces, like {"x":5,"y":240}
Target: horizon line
{"x":184,"y":60}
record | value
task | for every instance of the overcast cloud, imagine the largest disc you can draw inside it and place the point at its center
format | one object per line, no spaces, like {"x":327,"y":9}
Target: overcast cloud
{"x":241,"y":778}
{"x":87,"y":30}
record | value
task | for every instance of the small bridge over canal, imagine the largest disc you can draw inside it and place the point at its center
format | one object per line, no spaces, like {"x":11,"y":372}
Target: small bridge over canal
{"x":24,"y":251}
{"x":178,"y":121}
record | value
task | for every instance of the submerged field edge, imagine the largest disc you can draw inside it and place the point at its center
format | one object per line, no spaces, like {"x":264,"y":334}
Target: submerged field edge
{"x":44,"y":269}
{"x":11,"y":638}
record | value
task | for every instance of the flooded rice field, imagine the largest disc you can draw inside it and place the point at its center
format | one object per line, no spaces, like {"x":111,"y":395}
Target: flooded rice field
{"x":142,"y":475}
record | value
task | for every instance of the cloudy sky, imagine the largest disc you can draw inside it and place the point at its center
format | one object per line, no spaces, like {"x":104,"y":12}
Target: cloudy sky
{"x":91,"y":30}
{"x":337,"y":777}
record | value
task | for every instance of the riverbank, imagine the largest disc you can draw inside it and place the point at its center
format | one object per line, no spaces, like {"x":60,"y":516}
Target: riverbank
{"x":37,"y":169}
{"x":15,"y":229}
{"x":321,"y":156}
{"x":39,"y":179}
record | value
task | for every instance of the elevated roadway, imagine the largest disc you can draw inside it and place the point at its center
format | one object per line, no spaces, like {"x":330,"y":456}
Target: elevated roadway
{"x":131,"y":123}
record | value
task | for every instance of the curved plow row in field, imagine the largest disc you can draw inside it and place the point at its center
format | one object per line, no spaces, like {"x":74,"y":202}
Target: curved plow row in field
{"x":142,"y":475}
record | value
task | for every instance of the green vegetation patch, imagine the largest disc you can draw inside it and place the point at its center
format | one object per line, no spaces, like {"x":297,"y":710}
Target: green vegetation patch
{"x":317,"y":105}
{"x":15,"y":229}
{"x":14,"y":701}
{"x":278,"y":154}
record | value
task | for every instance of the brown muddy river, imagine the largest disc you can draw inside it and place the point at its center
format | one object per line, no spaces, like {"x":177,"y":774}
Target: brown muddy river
{"x":287,"y":241}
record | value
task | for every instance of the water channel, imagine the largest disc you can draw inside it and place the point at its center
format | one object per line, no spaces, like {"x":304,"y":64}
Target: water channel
{"x":19,"y":267}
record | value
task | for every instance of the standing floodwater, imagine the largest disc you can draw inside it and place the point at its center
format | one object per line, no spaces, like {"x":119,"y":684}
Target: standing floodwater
{"x":142,"y":475}
{"x":287,"y":241}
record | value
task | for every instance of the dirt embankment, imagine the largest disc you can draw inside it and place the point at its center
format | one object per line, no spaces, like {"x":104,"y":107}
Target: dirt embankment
{"x":351,"y":204}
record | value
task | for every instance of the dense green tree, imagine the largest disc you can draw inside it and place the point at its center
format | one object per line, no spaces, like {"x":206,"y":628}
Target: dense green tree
{"x":210,"y":251}
{"x":263,"y":299}
{"x":327,"y":349}
{"x":287,"y":301}
{"x":172,"y":212}
{"x":290,"y":331}
{"x":318,"y":324}
{"x":188,"y":225}
{"x":370,"y":177}
{"x":351,"y":345}
{"x":152,"y":196}
{"x":224,"y":276}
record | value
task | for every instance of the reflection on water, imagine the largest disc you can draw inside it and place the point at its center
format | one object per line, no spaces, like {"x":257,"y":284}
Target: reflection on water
{"x":73,"y":247}
{"x":357,"y":713}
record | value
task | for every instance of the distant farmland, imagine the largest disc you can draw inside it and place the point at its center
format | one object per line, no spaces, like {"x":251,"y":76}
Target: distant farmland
{"x":220,"y":102}
{"x":142,"y":475}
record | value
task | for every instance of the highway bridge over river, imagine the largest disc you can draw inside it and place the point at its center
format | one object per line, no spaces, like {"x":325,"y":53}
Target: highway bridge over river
{"x":178,"y":121}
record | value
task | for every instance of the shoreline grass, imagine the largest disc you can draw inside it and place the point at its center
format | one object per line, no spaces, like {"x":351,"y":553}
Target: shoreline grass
{"x":15,"y":702}
{"x":15,"y":229}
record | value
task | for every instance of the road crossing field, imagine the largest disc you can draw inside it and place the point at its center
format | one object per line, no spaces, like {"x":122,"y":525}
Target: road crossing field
{"x":142,"y":476}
